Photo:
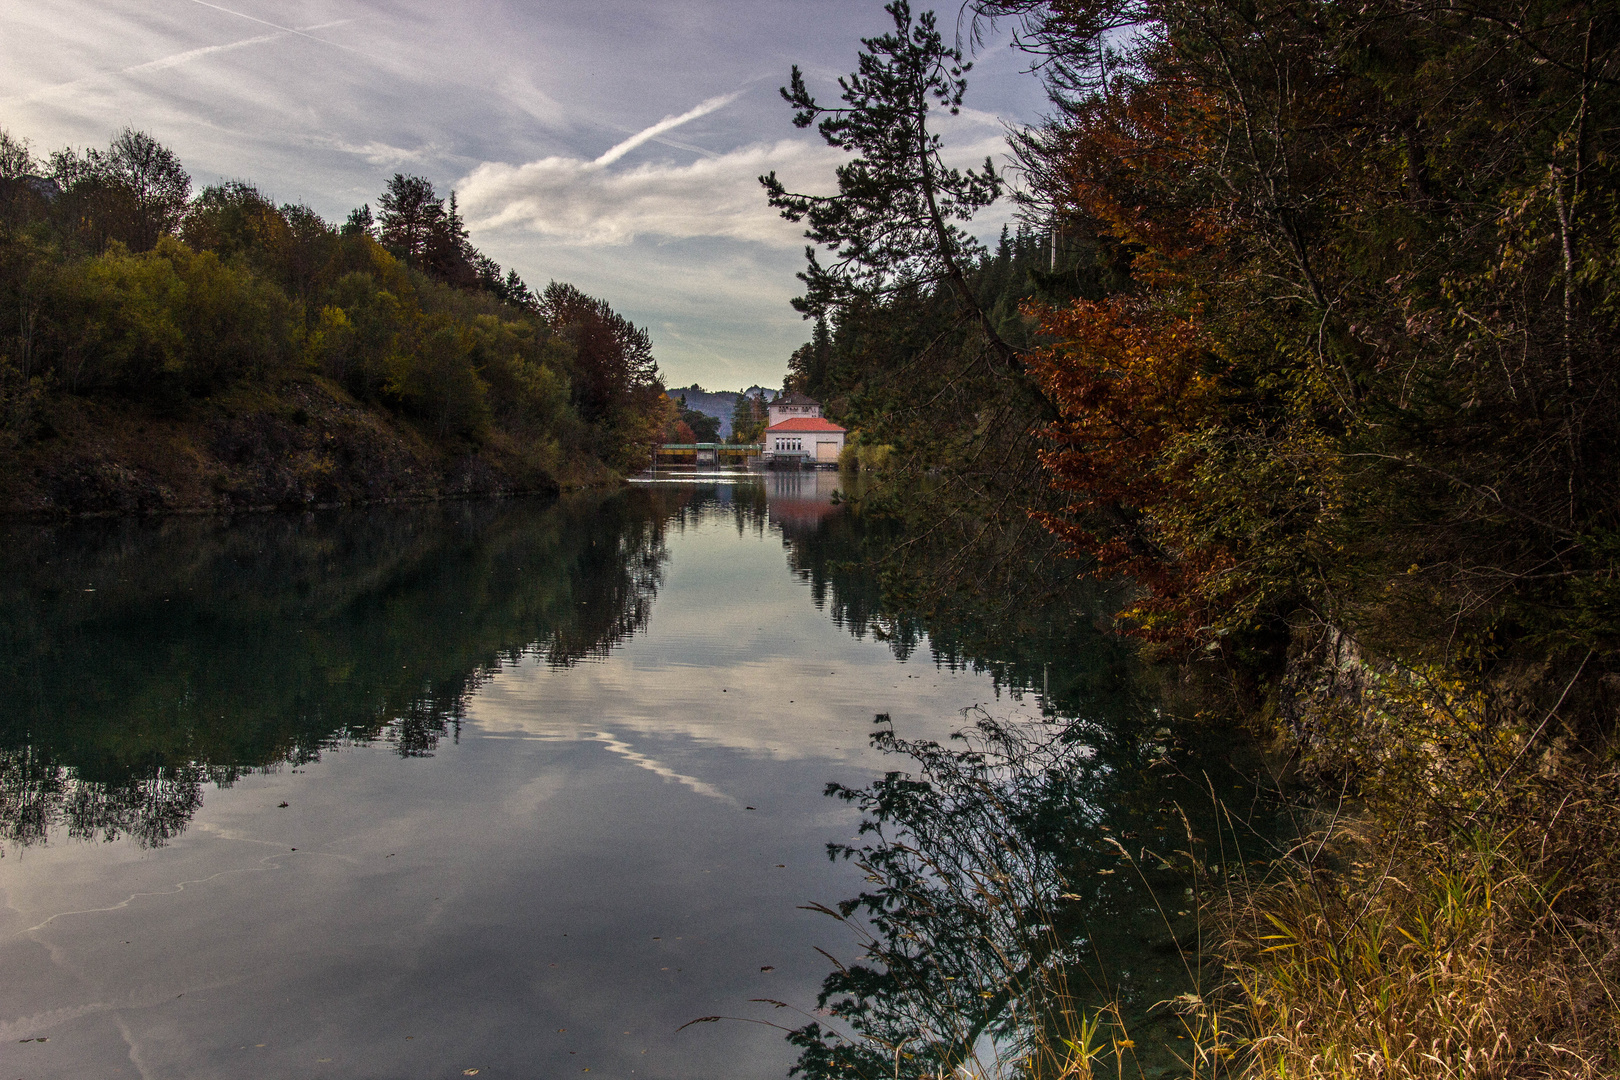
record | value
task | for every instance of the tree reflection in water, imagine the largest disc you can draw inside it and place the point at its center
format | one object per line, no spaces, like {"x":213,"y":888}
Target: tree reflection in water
{"x":1021,"y":882}
{"x":1034,"y":873}
{"x":147,"y":660}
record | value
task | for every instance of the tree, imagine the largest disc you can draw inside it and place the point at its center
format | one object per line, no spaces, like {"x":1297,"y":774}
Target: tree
{"x":615,"y":383}
{"x":448,"y":254}
{"x":134,"y":191}
{"x":360,"y":222}
{"x":704,"y":428}
{"x":408,"y":214}
{"x":1392,"y":401}
{"x":429,"y":234}
{"x":235,"y":218}
{"x":16,"y":159}
{"x":153,"y":173}
{"x":747,"y":419}
{"x":896,"y":220}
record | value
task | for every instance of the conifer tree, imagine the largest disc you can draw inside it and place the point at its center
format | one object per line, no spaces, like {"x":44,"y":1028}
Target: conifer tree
{"x":896,"y":222}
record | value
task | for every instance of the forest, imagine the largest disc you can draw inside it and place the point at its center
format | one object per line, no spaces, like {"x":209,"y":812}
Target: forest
{"x":1304,"y":340}
{"x":302,"y":361}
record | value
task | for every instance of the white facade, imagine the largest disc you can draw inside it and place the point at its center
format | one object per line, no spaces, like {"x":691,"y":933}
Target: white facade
{"x":805,"y":446}
{"x":799,"y":435}
{"x":791,"y":406}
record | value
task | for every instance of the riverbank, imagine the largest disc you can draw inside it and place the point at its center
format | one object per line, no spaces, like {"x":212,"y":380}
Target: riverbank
{"x":298,"y":441}
{"x":1452,"y":907}
{"x":1448,"y":904}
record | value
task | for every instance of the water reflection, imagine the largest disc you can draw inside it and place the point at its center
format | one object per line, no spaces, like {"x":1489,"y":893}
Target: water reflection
{"x":146,"y":660}
{"x":629,"y":765}
{"x":1031,"y":871}
{"x":1022,"y":880}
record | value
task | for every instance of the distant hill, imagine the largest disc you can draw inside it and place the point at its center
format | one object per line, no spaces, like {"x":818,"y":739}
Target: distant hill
{"x":719,"y":404}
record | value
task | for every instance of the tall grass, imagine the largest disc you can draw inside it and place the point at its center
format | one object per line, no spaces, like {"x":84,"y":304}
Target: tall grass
{"x":1461,"y":920}
{"x":1452,"y":913}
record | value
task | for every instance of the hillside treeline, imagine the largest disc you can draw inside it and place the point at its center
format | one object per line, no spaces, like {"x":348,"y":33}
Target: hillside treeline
{"x":119,"y":284}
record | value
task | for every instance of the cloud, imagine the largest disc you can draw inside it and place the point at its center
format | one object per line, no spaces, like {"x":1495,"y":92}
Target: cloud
{"x":162,"y":63}
{"x":575,"y":201}
{"x":278,"y":26}
{"x":581,"y":202}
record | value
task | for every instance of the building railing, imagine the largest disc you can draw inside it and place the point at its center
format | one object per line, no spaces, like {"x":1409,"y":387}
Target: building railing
{"x":725,"y":448}
{"x":703,"y":453}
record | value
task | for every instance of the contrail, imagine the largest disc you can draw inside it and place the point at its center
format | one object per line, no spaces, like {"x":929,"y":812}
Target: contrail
{"x":160,"y":64}
{"x":276,"y":26}
{"x":176,"y":59}
{"x":666,"y":124}
{"x":163,"y":63}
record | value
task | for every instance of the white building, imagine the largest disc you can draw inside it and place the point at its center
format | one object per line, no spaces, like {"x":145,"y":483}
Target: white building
{"x":791,"y":406}
{"x":798,"y":435}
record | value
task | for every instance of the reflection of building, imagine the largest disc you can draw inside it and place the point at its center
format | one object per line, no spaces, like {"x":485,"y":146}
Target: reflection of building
{"x":799,"y":435}
{"x":799,"y":501}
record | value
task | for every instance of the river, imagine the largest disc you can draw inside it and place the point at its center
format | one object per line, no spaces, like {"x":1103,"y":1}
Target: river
{"x":520,"y":788}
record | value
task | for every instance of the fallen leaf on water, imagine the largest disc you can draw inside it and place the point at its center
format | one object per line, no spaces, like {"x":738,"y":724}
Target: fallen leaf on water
{"x":281,"y":804}
{"x":469,"y":1072}
{"x":767,"y":967}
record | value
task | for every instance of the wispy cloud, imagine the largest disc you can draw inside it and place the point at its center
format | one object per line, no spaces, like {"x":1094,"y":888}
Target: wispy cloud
{"x":579,"y":201}
{"x":278,"y":26}
{"x":162,"y":63}
{"x":172,"y":60}
{"x":583,"y":202}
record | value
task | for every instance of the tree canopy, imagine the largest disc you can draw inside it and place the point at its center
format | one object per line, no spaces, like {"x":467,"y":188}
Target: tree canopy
{"x":114,"y":281}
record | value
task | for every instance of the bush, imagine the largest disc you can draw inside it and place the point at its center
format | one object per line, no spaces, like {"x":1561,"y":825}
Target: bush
{"x":173,"y":320}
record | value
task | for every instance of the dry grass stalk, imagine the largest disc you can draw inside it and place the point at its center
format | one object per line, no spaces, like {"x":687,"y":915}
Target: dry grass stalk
{"x":1465,"y":926}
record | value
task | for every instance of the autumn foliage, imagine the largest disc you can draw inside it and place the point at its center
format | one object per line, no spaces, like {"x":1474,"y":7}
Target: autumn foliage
{"x":1358,"y":365}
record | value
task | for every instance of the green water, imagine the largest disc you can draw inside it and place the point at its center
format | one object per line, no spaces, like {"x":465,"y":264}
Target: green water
{"x":525,"y":787}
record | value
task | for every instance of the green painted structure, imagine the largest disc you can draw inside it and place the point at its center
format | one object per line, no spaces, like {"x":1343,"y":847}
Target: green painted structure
{"x":703,"y":453}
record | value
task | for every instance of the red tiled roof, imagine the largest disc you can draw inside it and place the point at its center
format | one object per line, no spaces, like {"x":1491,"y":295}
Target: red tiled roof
{"x":803,"y":423}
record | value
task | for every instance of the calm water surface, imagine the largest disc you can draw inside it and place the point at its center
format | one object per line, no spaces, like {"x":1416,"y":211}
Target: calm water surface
{"x":518,"y":788}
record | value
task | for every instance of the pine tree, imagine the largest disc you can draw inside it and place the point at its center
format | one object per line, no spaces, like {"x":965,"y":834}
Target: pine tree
{"x":408,"y":214}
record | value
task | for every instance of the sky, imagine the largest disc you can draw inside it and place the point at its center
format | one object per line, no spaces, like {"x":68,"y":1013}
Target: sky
{"x":611,"y":144}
